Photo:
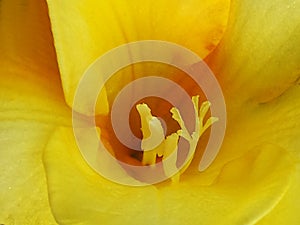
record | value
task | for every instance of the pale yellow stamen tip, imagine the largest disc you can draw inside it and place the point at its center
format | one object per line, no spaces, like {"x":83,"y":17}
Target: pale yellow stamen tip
{"x":153,"y":132}
{"x":155,"y":144}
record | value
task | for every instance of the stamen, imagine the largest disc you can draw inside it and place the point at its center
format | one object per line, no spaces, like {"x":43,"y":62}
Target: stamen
{"x":183,"y":132}
{"x":155,"y":144}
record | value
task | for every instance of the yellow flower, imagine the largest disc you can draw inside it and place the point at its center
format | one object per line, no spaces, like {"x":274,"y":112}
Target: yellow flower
{"x":253,"y":180}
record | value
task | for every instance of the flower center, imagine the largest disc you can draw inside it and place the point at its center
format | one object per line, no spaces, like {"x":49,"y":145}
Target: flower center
{"x":167,"y":126}
{"x":161,"y":143}
{"x":156,"y":146}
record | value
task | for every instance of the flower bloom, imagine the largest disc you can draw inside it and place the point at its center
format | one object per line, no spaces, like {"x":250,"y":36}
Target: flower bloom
{"x":253,"y":180}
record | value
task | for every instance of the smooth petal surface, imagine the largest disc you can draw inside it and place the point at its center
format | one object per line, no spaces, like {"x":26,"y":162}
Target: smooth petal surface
{"x":258,"y":59}
{"x":30,"y":87}
{"x":31,"y":103}
{"x":23,"y":188}
{"x":257,"y":64}
{"x":244,"y":191}
{"x":287,"y":211}
{"x":275,"y":122}
{"x":83,"y":31}
{"x":94,"y":200}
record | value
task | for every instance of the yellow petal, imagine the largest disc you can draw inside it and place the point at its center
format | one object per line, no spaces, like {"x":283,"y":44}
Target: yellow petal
{"x":258,"y":59}
{"x":276,"y":122}
{"x":280,"y":121}
{"x":31,"y":99}
{"x":245,"y":190}
{"x":23,"y":189}
{"x":257,"y":64}
{"x":78,"y":195}
{"x":85,"y":30}
{"x":282,"y":117}
{"x":30,"y":87}
{"x":287,"y":211}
